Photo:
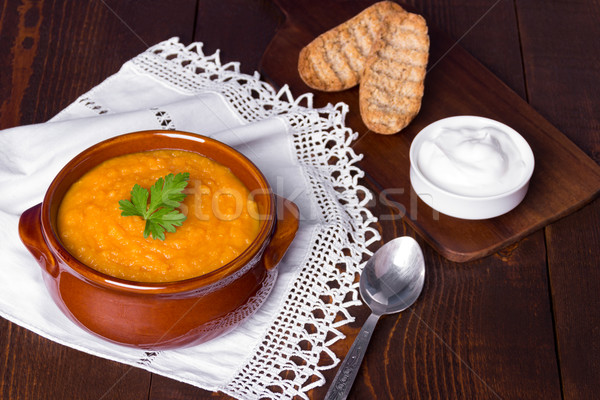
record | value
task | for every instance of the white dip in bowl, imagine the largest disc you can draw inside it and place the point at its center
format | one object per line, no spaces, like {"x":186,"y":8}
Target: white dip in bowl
{"x":470,"y":167}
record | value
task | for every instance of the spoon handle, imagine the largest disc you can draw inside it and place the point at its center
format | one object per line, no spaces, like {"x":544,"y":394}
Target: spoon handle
{"x":342,"y":383}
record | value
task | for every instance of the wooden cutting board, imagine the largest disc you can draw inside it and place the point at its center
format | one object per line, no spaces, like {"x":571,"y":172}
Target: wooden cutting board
{"x":565,"y":178}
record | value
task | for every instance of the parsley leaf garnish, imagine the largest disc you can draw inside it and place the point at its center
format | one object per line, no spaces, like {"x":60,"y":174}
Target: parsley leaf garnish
{"x":160,"y":215}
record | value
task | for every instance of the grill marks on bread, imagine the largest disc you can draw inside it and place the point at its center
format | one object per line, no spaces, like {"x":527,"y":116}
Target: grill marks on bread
{"x":392,"y":83}
{"x":385,"y":49}
{"x":335,"y":60}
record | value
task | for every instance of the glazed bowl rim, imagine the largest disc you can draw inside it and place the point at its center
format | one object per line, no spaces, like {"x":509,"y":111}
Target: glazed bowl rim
{"x":50,"y":233}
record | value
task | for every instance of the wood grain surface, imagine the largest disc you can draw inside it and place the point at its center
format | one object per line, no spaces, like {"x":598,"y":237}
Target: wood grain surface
{"x":456,"y":84}
{"x":522,"y":323}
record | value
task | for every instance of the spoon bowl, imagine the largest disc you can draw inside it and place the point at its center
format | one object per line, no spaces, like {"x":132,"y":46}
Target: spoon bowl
{"x":390,"y":282}
{"x":393,"y":278}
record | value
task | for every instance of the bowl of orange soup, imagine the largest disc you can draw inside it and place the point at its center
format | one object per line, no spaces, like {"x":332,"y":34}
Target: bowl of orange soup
{"x":195,"y":258}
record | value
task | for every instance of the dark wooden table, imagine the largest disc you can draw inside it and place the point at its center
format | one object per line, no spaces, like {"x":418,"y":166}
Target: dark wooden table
{"x":521,"y":323}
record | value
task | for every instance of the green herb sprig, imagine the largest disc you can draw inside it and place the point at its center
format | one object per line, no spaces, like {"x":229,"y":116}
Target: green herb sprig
{"x":161,"y":214}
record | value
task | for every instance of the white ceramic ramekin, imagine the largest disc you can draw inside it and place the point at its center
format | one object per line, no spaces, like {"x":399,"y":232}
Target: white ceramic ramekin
{"x":463,"y":206}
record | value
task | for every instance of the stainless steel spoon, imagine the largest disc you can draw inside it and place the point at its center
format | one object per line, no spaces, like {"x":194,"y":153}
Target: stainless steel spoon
{"x":390,"y":282}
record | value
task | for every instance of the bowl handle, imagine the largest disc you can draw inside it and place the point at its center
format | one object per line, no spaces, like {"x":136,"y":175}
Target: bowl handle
{"x":285,"y":230}
{"x":30,"y":231}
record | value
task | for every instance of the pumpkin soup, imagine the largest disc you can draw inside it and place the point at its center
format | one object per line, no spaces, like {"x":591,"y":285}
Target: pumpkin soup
{"x":222,"y":218}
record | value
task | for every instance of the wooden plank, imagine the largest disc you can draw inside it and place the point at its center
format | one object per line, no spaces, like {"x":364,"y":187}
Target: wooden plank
{"x":474,"y":330}
{"x":468,"y":333}
{"x":456,"y":84}
{"x":562,"y":82}
{"x":481,"y":329}
{"x":482,"y":28}
{"x":35,"y":368}
{"x":61,"y":49}
{"x":243,"y":31}
{"x":561,"y":67}
{"x":53,"y":51}
{"x":163,"y":388}
{"x":573,"y":260}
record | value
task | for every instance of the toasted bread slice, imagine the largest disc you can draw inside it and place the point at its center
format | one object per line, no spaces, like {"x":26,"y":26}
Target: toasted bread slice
{"x":335,"y":60}
{"x":392,"y":84}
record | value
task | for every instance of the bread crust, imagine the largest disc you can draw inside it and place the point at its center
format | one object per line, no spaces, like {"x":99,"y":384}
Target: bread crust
{"x":335,"y":60}
{"x":392,"y":83}
{"x":385,"y":49}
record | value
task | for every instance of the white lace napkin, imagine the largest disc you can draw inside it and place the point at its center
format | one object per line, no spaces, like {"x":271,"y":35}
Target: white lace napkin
{"x":305,"y":154}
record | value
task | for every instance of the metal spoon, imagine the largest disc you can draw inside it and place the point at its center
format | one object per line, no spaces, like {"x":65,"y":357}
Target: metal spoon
{"x":390,"y":282}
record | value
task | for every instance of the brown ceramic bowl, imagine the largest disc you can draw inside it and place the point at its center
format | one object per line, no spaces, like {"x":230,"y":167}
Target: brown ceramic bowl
{"x":160,"y":315}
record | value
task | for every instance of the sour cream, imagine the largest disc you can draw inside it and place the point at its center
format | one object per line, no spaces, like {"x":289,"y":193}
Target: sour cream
{"x":470,"y":167}
{"x":473,"y":162}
